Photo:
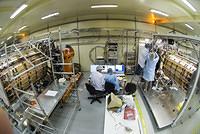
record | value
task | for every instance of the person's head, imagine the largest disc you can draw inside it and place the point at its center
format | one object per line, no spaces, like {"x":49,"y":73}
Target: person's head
{"x":99,"y":68}
{"x":148,"y":46}
{"x":110,"y":71}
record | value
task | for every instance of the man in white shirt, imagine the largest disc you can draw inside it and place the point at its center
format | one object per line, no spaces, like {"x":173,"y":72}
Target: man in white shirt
{"x":97,"y":79}
{"x":143,"y":52}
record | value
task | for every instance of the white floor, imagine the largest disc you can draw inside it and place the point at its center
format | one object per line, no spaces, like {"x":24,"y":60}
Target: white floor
{"x":90,"y":120}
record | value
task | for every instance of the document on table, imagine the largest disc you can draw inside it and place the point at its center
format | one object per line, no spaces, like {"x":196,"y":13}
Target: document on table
{"x":51,"y":93}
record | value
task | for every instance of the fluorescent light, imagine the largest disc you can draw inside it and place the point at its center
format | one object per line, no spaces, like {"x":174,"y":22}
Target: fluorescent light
{"x":0,"y":28}
{"x":22,"y":28}
{"x":2,"y":42}
{"x":190,"y":27}
{"x":50,"y":15}
{"x":104,"y":6}
{"x":9,"y":38}
{"x":159,"y":12}
{"x":21,"y":8}
{"x":189,"y":5}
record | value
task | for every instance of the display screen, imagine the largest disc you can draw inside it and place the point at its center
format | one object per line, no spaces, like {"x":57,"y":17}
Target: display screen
{"x":116,"y":68}
{"x":112,"y":67}
{"x":120,"y":69}
{"x":93,"y":68}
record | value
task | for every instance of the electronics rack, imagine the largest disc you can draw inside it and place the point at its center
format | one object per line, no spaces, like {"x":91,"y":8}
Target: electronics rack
{"x":112,"y":53}
{"x":130,"y":62}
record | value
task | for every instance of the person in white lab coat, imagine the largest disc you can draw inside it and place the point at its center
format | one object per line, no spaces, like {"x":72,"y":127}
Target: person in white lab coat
{"x":143,"y":52}
{"x":149,"y":69}
{"x":97,"y":79}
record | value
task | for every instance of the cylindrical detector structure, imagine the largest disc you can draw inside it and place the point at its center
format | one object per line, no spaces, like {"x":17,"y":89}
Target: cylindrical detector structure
{"x":179,"y":69}
{"x":68,"y":54}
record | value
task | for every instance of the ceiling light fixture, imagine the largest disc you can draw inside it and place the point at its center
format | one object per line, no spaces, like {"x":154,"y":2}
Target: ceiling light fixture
{"x":104,"y":6}
{"x":20,"y":9}
{"x":0,"y":28}
{"x":159,"y":12}
{"x":2,"y":42}
{"x":9,"y":38}
{"x":50,"y":15}
{"x":189,"y":5}
{"x":190,"y":27}
{"x":22,"y":28}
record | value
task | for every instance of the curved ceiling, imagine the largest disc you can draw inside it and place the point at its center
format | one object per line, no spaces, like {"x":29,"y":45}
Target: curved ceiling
{"x":178,"y":12}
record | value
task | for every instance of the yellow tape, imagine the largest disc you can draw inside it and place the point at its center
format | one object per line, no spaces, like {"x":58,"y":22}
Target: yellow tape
{"x":141,"y":116}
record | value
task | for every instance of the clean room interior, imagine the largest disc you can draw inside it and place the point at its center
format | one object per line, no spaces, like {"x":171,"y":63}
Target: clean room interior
{"x":99,"y":66}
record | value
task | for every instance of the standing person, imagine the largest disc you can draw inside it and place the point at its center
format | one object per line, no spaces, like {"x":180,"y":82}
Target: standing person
{"x":143,"y":52}
{"x":149,"y":69}
{"x":97,"y":79}
{"x":110,"y":77}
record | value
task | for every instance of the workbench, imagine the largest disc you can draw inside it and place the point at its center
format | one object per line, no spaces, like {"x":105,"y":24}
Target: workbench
{"x":114,"y":123}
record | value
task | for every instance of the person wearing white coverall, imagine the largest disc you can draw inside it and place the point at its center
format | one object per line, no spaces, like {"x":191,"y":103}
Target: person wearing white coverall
{"x":97,"y":79}
{"x":149,"y":69}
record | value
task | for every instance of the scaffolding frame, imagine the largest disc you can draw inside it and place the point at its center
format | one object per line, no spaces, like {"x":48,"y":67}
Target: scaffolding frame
{"x":31,"y":113}
{"x":60,"y":33}
{"x":16,"y":90}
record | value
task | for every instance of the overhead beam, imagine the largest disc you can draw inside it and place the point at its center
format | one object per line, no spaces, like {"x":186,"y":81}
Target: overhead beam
{"x":195,"y":18}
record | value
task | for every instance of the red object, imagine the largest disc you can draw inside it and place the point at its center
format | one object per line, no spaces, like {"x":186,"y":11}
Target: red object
{"x":129,"y":113}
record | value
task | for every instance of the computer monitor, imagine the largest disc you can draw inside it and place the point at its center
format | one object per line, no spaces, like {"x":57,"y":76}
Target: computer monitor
{"x":119,"y":69}
{"x":112,"y":67}
{"x":93,"y":68}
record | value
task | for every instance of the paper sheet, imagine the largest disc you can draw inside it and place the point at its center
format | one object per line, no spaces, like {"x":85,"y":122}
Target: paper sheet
{"x":51,"y":93}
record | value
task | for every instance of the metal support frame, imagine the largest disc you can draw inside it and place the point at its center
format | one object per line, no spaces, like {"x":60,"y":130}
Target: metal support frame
{"x":16,"y":90}
{"x":192,"y":90}
{"x":60,"y":32}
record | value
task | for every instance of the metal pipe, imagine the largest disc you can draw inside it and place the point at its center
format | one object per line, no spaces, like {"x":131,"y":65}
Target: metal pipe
{"x":63,"y":72}
{"x":50,"y":54}
{"x":42,"y":124}
{"x":35,"y":115}
{"x":38,"y":59}
{"x":79,"y":60}
{"x":29,"y":105}
{"x":41,"y":52}
{"x":23,"y":56}
{"x":63,"y":63}
{"x":23,"y":91}
{"x":46,"y":131}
